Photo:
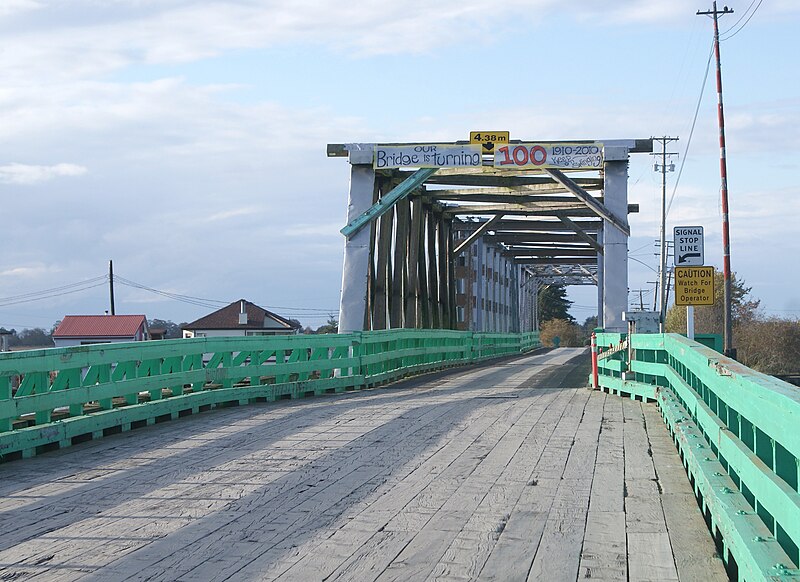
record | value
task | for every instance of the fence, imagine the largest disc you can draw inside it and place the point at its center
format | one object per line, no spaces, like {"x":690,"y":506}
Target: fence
{"x":737,"y":432}
{"x":52,"y":398}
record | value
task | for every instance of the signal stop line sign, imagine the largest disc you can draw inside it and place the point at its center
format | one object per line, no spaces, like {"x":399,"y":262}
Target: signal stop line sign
{"x":688,"y":246}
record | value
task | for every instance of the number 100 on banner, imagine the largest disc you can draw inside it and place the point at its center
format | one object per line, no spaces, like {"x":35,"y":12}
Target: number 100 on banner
{"x":566,"y":156}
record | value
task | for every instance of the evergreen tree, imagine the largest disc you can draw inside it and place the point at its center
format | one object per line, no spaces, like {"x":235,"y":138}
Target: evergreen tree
{"x":332,"y":326}
{"x":553,"y":304}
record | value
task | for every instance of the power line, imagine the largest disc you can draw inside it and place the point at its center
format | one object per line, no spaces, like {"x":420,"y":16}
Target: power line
{"x":740,"y":19}
{"x":196,"y":301}
{"x":691,"y":131}
{"x":51,"y":290}
{"x":54,"y":292}
{"x":204,"y":302}
{"x":216,"y":303}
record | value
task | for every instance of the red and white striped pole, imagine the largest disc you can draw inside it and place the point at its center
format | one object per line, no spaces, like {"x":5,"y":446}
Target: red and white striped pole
{"x":595,"y":375}
{"x":723,"y":171}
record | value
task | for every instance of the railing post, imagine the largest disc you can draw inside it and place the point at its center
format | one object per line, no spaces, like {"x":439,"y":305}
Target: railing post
{"x":595,"y":375}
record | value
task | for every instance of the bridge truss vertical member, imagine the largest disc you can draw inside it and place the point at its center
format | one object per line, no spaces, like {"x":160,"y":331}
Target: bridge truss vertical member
{"x":615,"y":240}
{"x":400,"y":274}
{"x":380,"y":298}
{"x":357,"y":247}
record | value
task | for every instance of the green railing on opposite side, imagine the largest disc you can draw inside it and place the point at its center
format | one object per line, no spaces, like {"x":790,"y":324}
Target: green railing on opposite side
{"x":49,"y":397}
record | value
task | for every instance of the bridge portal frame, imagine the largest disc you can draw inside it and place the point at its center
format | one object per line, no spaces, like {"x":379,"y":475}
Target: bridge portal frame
{"x":400,"y":253}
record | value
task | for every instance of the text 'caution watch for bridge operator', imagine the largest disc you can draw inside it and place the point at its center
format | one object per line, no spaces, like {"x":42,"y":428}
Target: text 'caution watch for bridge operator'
{"x":694,"y":285}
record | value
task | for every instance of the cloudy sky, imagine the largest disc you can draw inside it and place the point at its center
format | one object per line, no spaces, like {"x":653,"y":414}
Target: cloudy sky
{"x":185,"y":139}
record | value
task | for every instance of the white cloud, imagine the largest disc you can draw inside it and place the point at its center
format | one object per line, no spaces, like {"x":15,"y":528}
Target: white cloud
{"x":12,"y":7}
{"x":27,"y":174}
{"x":83,"y":37}
{"x":233,"y":213}
{"x":29,"y":271}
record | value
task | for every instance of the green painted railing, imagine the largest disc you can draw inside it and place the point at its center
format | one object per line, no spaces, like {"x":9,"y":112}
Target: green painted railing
{"x":53,"y":398}
{"x":738,"y":434}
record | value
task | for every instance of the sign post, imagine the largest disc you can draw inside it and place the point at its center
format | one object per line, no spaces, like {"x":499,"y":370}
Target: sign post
{"x":689,"y":252}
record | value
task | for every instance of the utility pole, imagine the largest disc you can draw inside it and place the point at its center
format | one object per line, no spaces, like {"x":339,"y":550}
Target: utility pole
{"x":111,"y":285}
{"x":723,"y":170}
{"x":662,"y":265}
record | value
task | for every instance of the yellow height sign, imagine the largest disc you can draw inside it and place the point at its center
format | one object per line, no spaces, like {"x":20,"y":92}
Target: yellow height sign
{"x":488,"y":139}
{"x":694,"y":285}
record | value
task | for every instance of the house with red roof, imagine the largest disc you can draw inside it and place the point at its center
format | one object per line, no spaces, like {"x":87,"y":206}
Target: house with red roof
{"x":80,"y":330}
{"x":240,"y":318}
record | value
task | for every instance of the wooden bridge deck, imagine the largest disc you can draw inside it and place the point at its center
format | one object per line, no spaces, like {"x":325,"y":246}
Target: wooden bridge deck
{"x":510,"y":472}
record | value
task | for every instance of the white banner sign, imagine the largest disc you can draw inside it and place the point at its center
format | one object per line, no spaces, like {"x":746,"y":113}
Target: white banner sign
{"x":565,"y":156}
{"x":428,"y":156}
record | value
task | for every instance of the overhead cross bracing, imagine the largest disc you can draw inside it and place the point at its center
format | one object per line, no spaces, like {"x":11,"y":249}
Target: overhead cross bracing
{"x":566,"y":222}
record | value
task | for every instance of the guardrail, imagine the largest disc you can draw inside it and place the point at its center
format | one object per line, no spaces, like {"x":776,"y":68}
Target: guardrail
{"x":738,"y":434}
{"x":56,"y":397}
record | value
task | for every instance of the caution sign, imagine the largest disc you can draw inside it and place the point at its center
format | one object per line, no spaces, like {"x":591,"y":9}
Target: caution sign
{"x":694,"y":285}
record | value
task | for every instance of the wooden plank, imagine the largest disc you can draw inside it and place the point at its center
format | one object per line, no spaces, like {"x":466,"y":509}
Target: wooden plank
{"x":417,"y":499}
{"x":459,"y":511}
{"x":696,"y":557}
{"x":558,"y":555}
{"x":559,"y":552}
{"x":638,"y":463}
{"x":650,"y":557}
{"x":604,"y":553}
{"x":644,"y":514}
{"x":608,"y":485}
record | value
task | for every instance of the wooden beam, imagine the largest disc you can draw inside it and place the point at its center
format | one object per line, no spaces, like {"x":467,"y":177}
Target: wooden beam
{"x":586,"y":198}
{"x":557,"y":261}
{"x":520,"y":199}
{"x":444,"y":260}
{"x":552,"y":252}
{"x":592,"y":241}
{"x":422,"y":264}
{"x":451,"y":274}
{"x":534,"y":237}
{"x":507,"y":180}
{"x":413,"y":314}
{"x":578,"y":210}
{"x":546,"y":226}
{"x":399,"y":276}
{"x":551,"y":207}
{"x":476,"y":235}
{"x":526,"y":190}
{"x":433,"y":274}
{"x":382,"y":270}
{"x":388,"y":200}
